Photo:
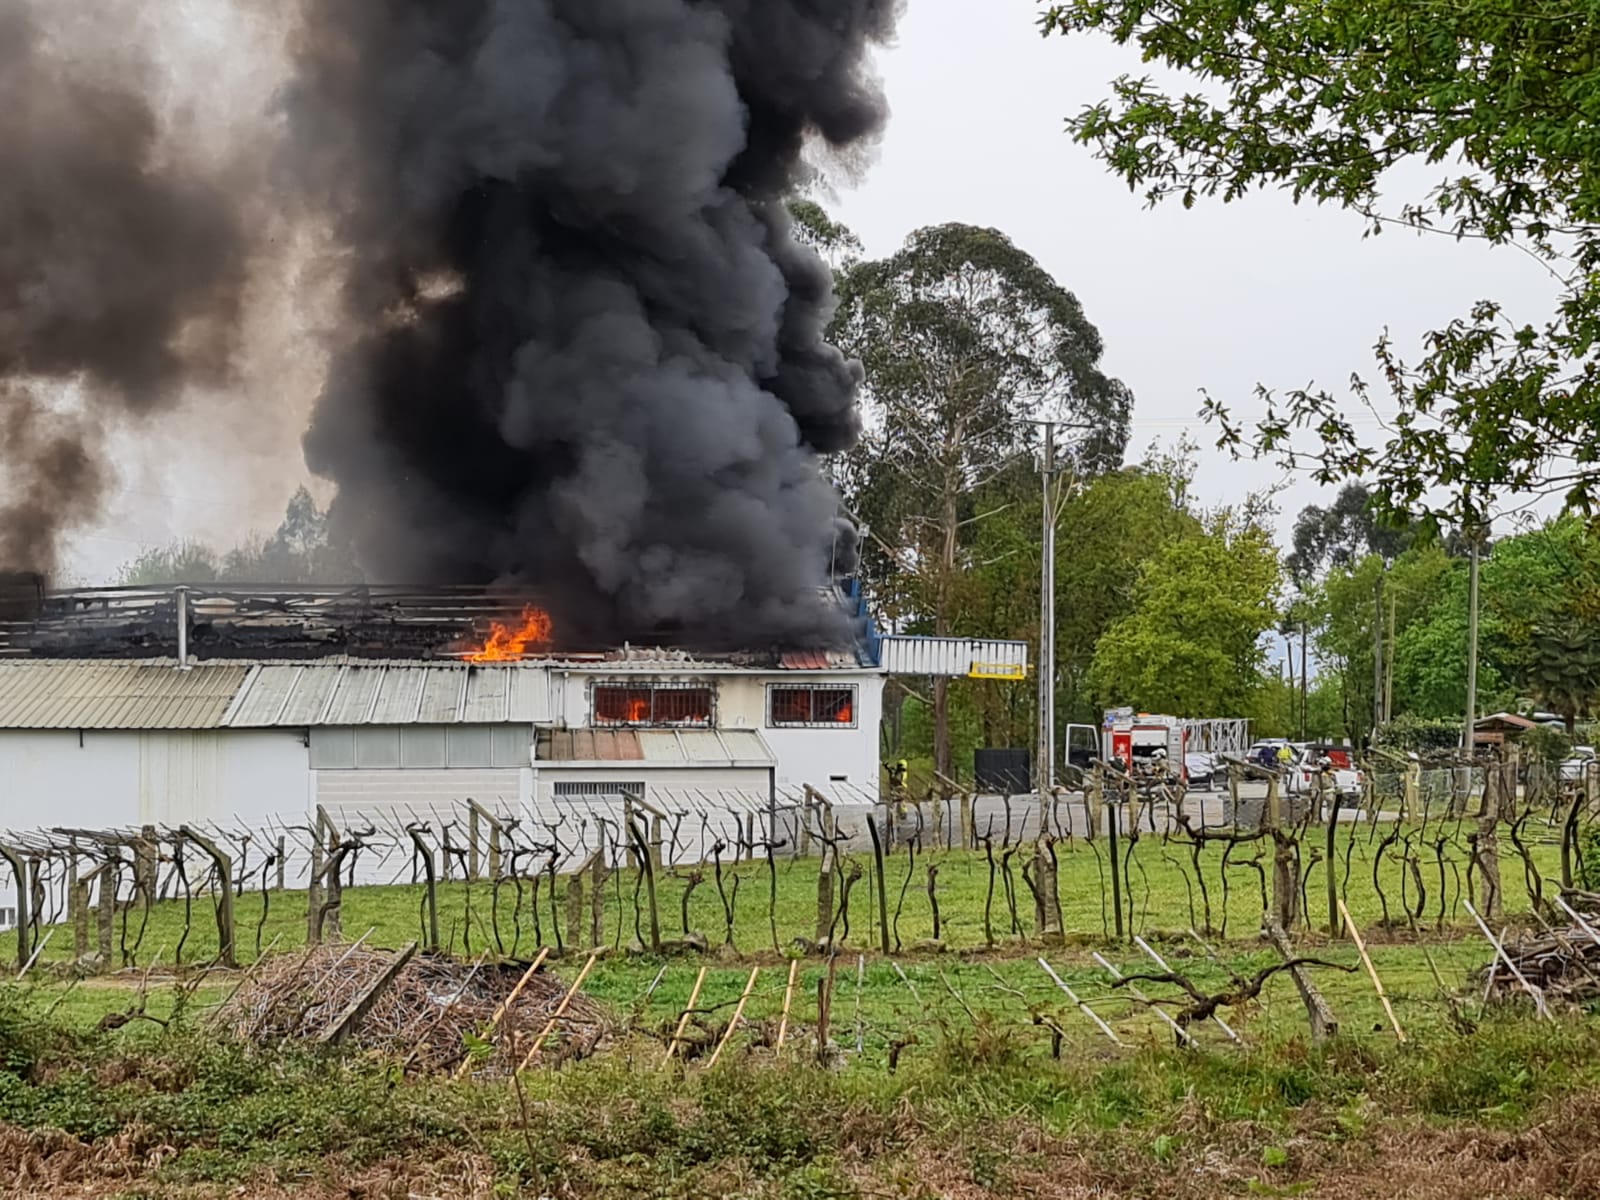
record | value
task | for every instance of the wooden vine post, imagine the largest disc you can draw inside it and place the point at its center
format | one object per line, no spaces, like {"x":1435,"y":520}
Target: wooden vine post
{"x":19,"y":871}
{"x":226,"y":953}
{"x":430,"y":898}
{"x":883,"y":892}
{"x":826,"y":865}
{"x":1324,"y":1025}
{"x":1498,"y":781}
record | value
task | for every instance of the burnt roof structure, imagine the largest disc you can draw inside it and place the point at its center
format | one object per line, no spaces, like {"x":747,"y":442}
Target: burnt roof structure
{"x":204,"y":622}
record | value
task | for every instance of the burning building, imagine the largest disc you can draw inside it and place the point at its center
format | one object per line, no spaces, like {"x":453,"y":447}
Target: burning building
{"x":120,"y":708}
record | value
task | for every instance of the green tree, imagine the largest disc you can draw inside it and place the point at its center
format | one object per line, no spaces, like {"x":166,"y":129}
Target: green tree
{"x":1322,"y":100}
{"x":966,"y":342}
{"x":1192,"y":645}
{"x":300,"y":551}
{"x":1564,"y":670}
{"x":181,"y":562}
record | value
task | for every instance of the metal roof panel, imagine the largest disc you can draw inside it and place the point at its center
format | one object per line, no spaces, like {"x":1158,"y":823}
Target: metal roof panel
{"x":354,"y":696}
{"x":398,"y":696}
{"x":488,"y":694}
{"x":85,"y":695}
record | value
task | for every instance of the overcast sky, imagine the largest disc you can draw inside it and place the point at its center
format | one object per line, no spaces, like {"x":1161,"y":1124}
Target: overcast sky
{"x":1216,"y":298}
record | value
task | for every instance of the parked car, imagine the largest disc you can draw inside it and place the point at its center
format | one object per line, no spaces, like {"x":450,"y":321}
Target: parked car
{"x":1201,"y":770}
{"x":1348,"y":781}
{"x":1573,"y":768}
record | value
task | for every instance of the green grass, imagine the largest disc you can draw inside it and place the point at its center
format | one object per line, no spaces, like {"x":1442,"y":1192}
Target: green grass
{"x":1161,"y":889}
{"x":973,"y":1106}
{"x":942,"y":985}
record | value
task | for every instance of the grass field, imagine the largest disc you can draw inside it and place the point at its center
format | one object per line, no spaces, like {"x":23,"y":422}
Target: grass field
{"x":875,"y":1005}
{"x":973,"y":1110}
{"x":982,"y":1099}
{"x":1162,"y":892}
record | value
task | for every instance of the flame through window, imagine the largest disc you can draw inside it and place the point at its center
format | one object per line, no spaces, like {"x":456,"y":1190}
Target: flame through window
{"x":649,"y":705}
{"x":828,"y":707}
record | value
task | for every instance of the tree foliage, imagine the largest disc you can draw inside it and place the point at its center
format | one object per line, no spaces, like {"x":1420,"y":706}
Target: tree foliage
{"x":967,"y":342}
{"x":299,"y":551}
{"x":1191,"y":646}
{"x":1322,"y":100}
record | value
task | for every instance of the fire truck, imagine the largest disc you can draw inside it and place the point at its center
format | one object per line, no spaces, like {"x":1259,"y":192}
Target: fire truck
{"x":1146,"y":743}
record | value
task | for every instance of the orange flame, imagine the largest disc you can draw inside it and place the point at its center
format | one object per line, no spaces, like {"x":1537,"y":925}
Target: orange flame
{"x":506,"y":644}
{"x":638,"y":711}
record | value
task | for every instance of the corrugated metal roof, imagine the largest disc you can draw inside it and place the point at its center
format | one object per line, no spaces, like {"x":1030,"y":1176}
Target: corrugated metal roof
{"x":657,"y":747}
{"x":112,"y":695}
{"x":808,"y":660}
{"x":388,"y":694}
{"x":589,"y":745}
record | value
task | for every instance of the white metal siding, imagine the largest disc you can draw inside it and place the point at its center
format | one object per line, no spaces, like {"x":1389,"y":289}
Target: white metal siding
{"x":352,"y":796}
{"x":122,"y":779}
{"x":952,"y":657}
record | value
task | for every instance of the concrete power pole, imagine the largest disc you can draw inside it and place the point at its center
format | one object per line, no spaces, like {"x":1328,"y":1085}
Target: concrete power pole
{"x":1469,"y":728}
{"x":1045,"y":768}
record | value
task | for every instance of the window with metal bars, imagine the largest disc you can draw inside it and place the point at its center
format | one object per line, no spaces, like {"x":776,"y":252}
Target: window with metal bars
{"x":652,"y":704}
{"x":818,"y":707}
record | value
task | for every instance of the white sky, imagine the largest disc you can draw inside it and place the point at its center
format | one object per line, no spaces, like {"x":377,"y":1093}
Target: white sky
{"x":1219,"y":298}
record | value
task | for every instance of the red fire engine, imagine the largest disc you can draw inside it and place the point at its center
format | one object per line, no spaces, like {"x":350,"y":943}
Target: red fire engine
{"x":1146,"y":742}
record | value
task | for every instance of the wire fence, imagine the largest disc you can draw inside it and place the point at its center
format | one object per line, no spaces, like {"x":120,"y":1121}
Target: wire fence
{"x":1120,"y":856}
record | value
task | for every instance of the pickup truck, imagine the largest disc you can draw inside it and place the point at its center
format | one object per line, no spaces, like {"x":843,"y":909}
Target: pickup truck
{"x":1348,"y":781}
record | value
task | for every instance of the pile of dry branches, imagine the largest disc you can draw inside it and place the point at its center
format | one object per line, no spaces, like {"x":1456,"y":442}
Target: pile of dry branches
{"x":433,"y":1016}
{"x":1563,"y":964}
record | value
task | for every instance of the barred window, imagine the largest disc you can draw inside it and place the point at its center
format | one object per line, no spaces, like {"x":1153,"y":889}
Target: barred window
{"x":811,"y":707}
{"x":652,"y":704}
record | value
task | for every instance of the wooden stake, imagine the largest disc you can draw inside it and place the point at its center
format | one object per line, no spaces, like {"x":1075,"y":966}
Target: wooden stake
{"x":1372,"y":971}
{"x":1500,"y":950}
{"x":505,"y":1005}
{"x":737,"y":1014}
{"x":1082,"y":1007}
{"x":37,"y":951}
{"x":561,"y":1010}
{"x":345,"y":1023}
{"x":1183,"y":1034}
{"x":683,"y":1021}
{"x":788,"y":1000}
{"x":1165,"y":966}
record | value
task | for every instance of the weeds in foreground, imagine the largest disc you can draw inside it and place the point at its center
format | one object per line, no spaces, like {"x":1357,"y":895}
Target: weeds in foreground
{"x":179,"y":1108}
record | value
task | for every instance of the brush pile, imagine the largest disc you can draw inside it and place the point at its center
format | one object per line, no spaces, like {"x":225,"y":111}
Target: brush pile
{"x":431,"y":1017}
{"x":1562,"y":962}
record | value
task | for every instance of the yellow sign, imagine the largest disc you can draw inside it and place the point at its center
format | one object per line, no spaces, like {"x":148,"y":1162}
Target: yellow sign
{"x":997,"y":671}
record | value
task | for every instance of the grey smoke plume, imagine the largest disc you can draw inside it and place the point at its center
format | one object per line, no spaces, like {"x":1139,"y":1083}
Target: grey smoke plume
{"x":121,"y":266}
{"x":578,"y":346}
{"x":591,"y":353}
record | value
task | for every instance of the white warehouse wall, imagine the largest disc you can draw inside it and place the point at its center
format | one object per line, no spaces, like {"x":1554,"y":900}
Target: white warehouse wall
{"x":815,"y":756}
{"x":119,"y":780}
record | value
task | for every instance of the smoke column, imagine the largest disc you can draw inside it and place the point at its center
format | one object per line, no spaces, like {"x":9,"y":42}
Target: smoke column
{"x":122,"y":262}
{"x":576,"y":344}
{"x":589,"y":351}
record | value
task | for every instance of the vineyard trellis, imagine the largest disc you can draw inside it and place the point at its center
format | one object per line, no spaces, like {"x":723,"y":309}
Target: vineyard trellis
{"x":1420,"y":844}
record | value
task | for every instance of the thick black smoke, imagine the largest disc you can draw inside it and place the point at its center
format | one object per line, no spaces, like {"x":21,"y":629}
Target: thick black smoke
{"x":578,"y":345}
{"x":587,"y":352}
{"x":121,"y":269}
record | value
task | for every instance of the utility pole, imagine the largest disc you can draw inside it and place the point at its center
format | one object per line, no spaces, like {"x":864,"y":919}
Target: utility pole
{"x":1469,"y":729}
{"x":1388,"y":668}
{"x":1305,"y":675}
{"x":1377,"y":652}
{"x":1045,"y":768}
